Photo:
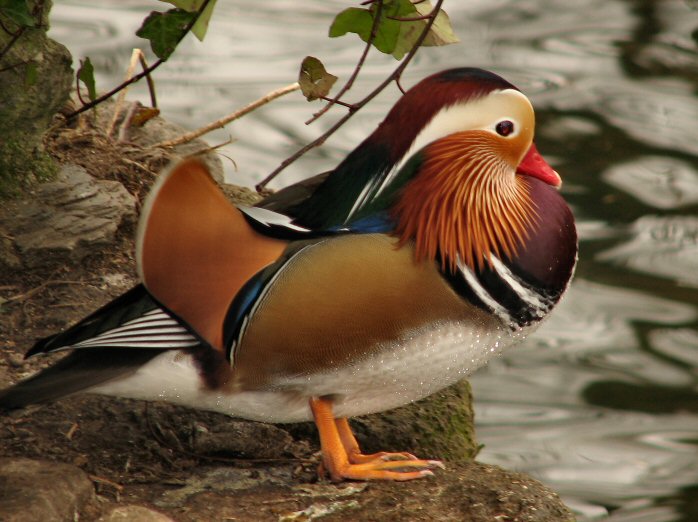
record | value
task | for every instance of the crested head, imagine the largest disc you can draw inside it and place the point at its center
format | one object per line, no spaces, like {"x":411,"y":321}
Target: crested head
{"x":464,"y":197}
{"x":414,"y":113}
{"x":444,"y":104}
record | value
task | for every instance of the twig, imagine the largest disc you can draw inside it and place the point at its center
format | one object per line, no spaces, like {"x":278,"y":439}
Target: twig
{"x":139,"y":166}
{"x":12,"y":41}
{"x":126,"y":123}
{"x":213,"y":148}
{"x":122,"y":95}
{"x":359,"y":65}
{"x":149,"y":81}
{"x":102,"y":480}
{"x":71,"y":432}
{"x":395,"y":76}
{"x":399,"y":86}
{"x":218,"y":124}
{"x":14,"y":65}
{"x":331,"y":101}
{"x":29,"y":293}
{"x":410,"y":18}
{"x":142,"y":74}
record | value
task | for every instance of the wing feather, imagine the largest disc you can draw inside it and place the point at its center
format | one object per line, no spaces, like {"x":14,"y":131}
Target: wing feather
{"x":195,"y":250}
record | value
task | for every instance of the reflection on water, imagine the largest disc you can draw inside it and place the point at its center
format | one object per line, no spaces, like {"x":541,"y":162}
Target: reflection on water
{"x":658,"y":181}
{"x":662,"y":246}
{"x":602,"y":403}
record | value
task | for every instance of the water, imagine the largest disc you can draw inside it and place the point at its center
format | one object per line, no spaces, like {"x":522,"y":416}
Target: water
{"x":601,"y":404}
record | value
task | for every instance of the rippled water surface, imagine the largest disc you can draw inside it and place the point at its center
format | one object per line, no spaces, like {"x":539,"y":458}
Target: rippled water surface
{"x":601,"y":404}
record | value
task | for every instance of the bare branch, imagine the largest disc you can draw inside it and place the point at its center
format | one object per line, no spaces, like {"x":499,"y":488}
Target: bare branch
{"x":218,"y":124}
{"x":140,"y":75}
{"x":149,"y":80}
{"x":122,"y":95}
{"x":11,"y":42}
{"x":394,"y":76}
{"x":359,"y":65}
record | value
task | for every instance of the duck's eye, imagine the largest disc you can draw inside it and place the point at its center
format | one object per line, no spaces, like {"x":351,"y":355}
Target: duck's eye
{"x":504,"y":128}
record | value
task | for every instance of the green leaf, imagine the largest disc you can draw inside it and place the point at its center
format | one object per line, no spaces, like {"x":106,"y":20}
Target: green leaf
{"x":31,"y":74}
{"x":86,"y":74}
{"x":393,"y":11}
{"x":352,"y":20}
{"x":440,"y":33}
{"x":17,"y":11}
{"x":165,"y":30}
{"x":388,"y":38}
{"x":314,"y":80}
{"x":193,"y":6}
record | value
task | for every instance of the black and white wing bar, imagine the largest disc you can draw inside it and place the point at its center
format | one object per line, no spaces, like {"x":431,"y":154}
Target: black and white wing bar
{"x":154,"y":329}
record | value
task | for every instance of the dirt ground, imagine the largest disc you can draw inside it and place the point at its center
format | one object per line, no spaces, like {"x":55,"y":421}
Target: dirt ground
{"x":192,"y":465}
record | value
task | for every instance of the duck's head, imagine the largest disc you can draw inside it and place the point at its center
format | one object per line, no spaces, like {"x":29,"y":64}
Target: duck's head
{"x":459,"y":100}
{"x":463,"y":190}
{"x":445,"y":115}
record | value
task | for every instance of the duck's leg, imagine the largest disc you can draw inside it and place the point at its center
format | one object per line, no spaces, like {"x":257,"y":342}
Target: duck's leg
{"x":336,"y":458}
{"x":354,"y":452}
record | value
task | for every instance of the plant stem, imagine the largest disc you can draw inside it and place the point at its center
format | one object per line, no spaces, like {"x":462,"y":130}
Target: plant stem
{"x":394,"y":76}
{"x":146,"y":72}
{"x":185,"y":138}
{"x":359,"y":65}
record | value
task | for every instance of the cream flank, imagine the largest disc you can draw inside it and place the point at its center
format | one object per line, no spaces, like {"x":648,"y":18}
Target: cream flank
{"x":408,"y":370}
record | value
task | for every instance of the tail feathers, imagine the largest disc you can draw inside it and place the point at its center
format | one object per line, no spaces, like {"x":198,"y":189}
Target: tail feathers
{"x":79,"y":371}
{"x":130,"y":305}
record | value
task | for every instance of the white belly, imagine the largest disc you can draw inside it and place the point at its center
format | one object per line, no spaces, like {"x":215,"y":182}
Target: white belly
{"x":403,"y":372}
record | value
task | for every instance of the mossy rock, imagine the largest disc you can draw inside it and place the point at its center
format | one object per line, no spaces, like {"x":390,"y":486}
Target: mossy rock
{"x":36,"y":77}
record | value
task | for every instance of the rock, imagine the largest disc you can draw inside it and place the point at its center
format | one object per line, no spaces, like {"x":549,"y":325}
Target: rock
{"x":133,"y":513}
{"x":158,"y":130}
{"x":66,"y":219}
{"x":225,"y":481}
{"x":32,"y":490}
{"x":472,"y":492}
{"x":36,"y":77}
{"x":243,"y":439}
{"x":440,"y":426}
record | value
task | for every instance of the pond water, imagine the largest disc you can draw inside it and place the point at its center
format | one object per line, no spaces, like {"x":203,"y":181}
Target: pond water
{"x":601,"y":404}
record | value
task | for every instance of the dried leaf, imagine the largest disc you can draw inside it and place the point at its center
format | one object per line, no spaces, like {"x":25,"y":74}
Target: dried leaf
{"x":314,"y":79}
{"x":143,"y":115}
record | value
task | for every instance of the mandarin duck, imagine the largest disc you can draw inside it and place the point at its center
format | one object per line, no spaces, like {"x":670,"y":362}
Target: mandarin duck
{"x":437,"y":243}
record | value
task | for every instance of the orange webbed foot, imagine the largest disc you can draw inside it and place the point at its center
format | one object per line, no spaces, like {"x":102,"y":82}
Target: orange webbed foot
{"x":342,"y":457}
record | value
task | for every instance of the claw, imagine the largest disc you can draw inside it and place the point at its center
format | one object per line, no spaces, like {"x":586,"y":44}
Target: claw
{"x":342,"y":457}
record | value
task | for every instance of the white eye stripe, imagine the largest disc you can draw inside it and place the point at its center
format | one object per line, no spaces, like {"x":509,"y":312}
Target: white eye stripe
{"x":478,"y":114}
